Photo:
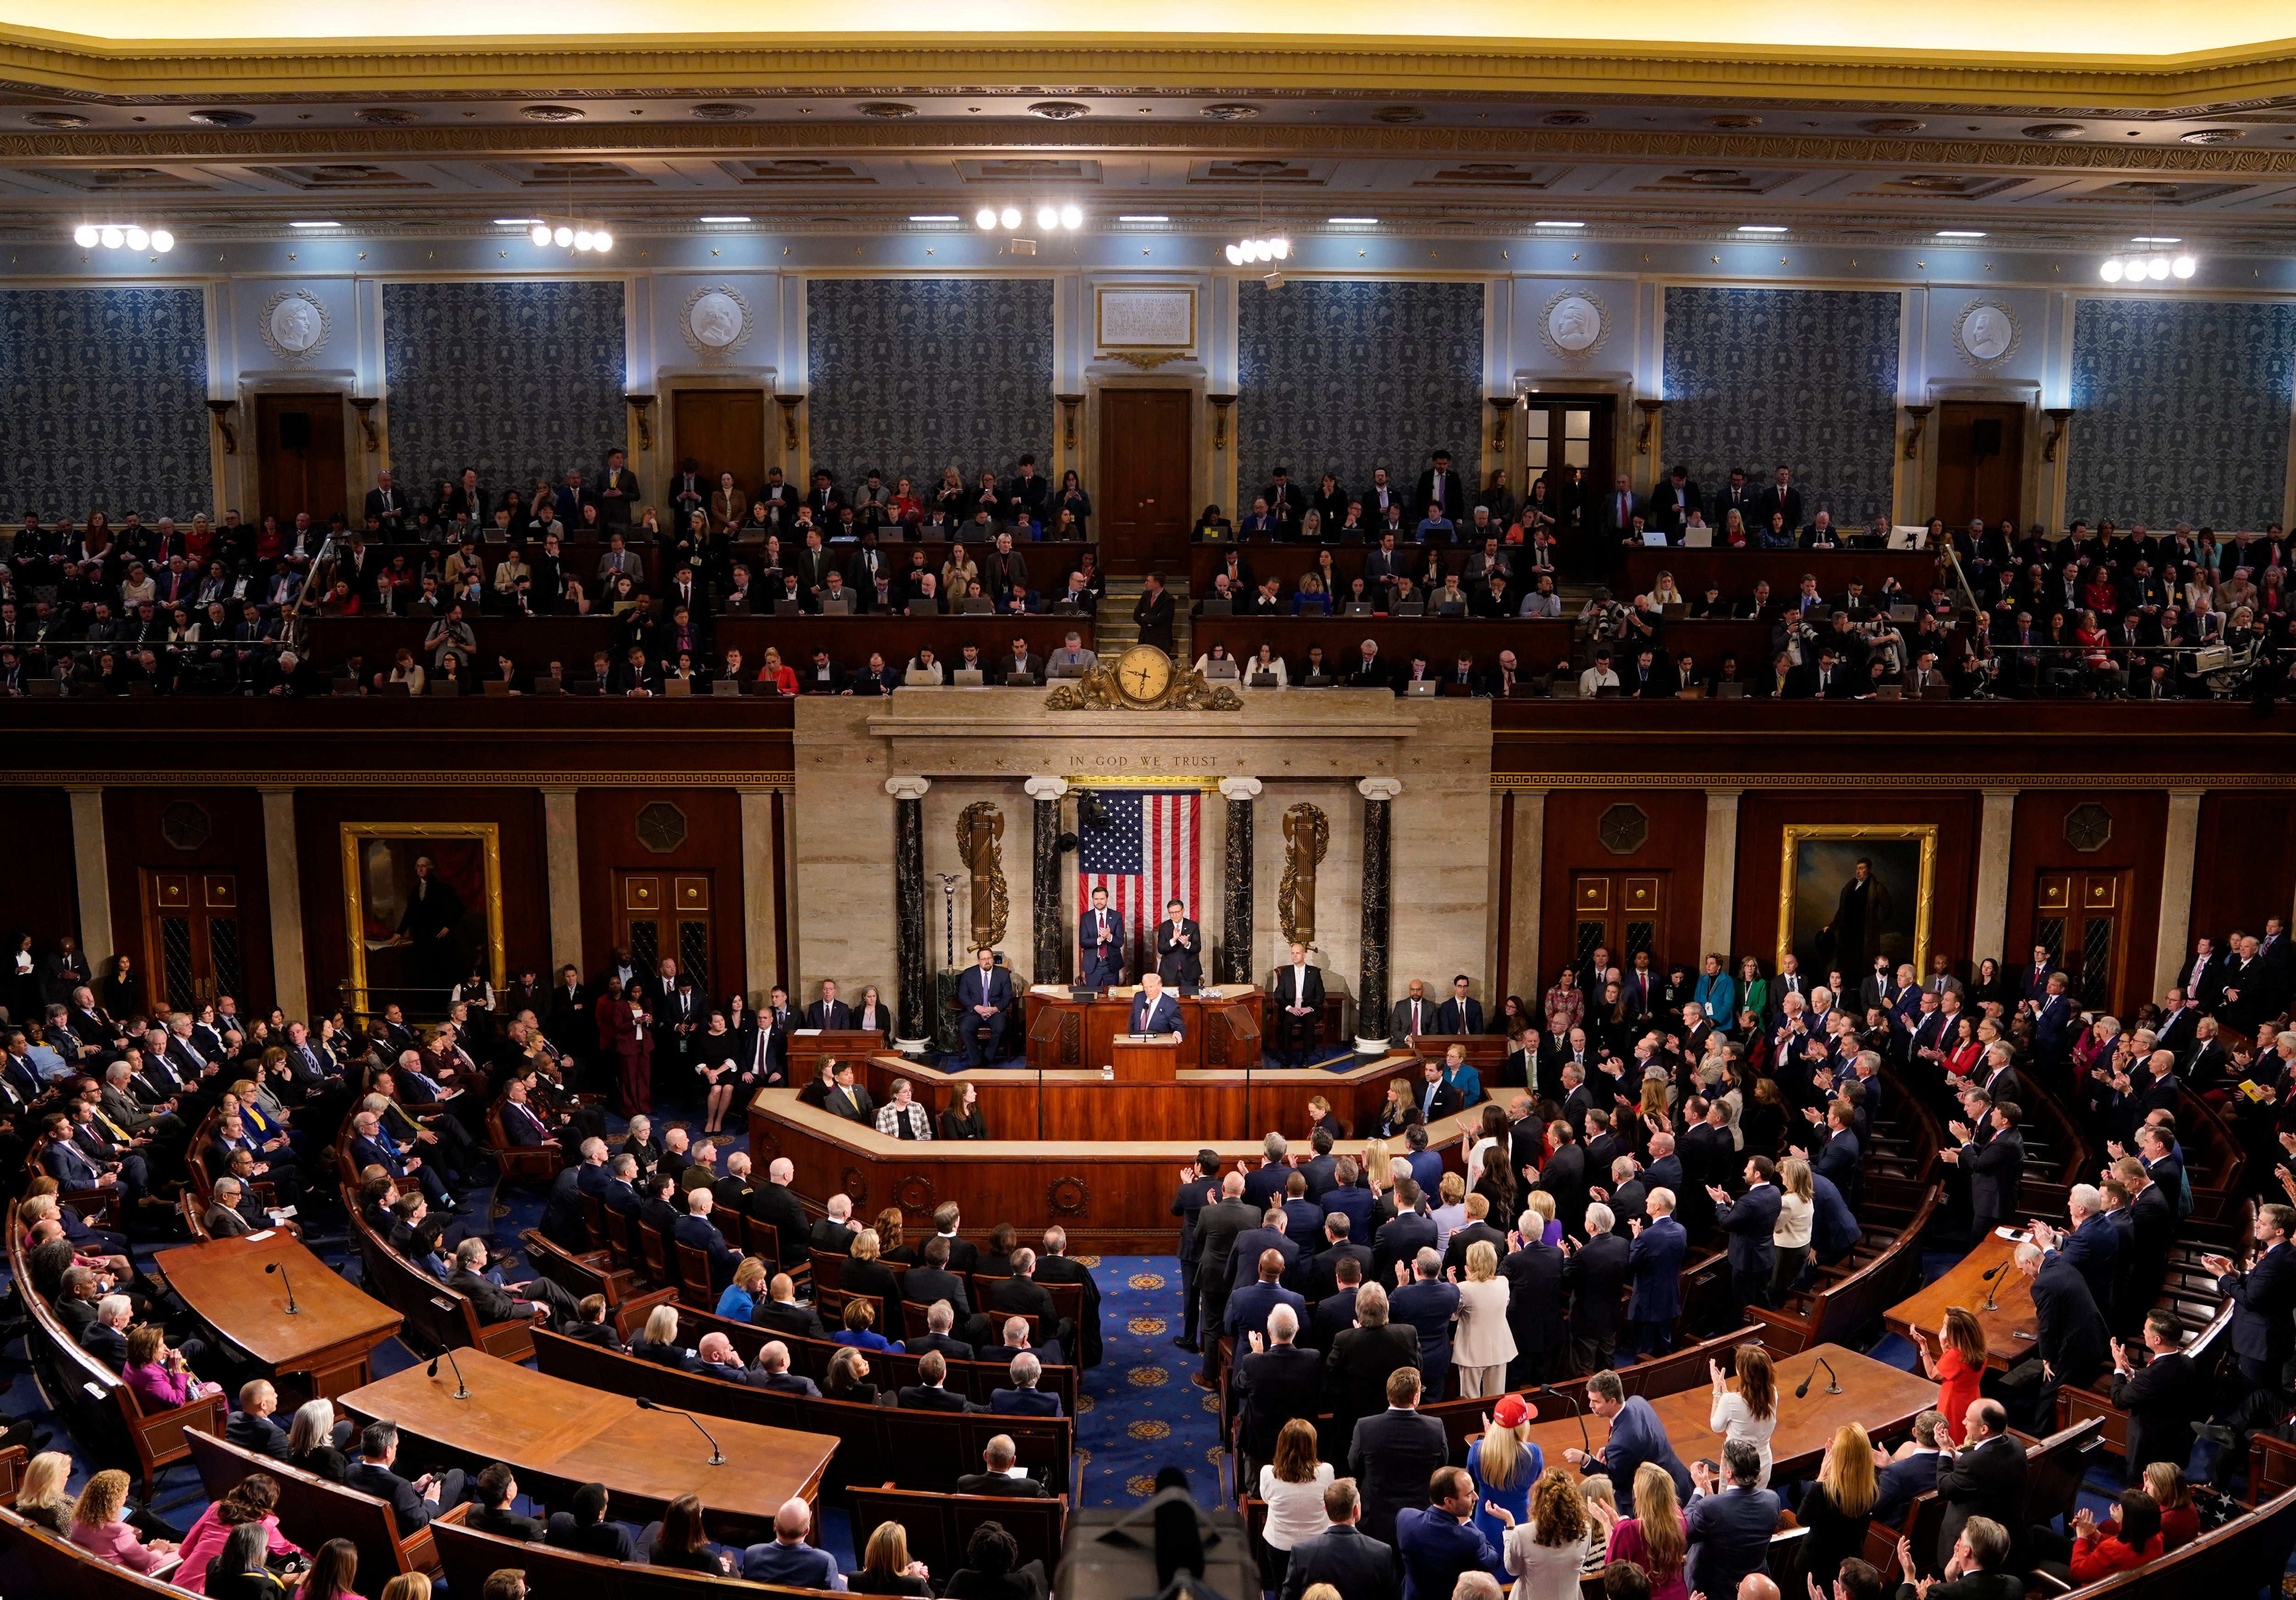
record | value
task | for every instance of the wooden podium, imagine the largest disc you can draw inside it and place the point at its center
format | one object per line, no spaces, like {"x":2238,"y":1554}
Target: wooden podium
{"x":1145,"y":1057}
{"x":806,"y":1050}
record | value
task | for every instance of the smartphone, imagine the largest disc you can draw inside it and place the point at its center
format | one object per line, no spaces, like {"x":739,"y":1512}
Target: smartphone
{"x":2013,"y":1235}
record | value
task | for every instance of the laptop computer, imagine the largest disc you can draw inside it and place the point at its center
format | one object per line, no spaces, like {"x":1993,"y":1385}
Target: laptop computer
{"x":1730,"y":691}
{"x":1888,"y":691}
{"x":1673,"y":610}
{"x":1316,"y":680}
{"x":918,"y":677}
{"x":1451,"y":608}
{"x":1422,"y":689}
{"x":1903,"y":537}
{"x":1263,"y":680}
{"x":789,"y":607}
{"x":1698,"y":539}
{"x":1608,"y":691}
{"x":979,"y":605}
{"x":547,"y":684}
{"x":1522,"y":691}
{"x":968,"y":677}
{"x":675,"y":687}
{"x":342,"y":685}
{"x":837,"y":605}
{"x":1408,"y":608}
{"x":924,"y":608}
{"x":1219,"y":608}
{"x":724,"y":685}
{"x":1020,"y":680}
{"x":1901,"y":612}
{"x":1937,"y":692}
{"x":448,"y":688}
{"x":1064,"y":670}
{"x":1221,"y":668}
{"x":1358,"y":608}
{"x":1562,"y":688}
{"x":44,"y":688}
{"x":496,"y":688}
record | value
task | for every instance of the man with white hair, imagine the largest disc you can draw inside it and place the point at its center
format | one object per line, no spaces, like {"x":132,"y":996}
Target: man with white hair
{"x":2071,"y":1346}
{"x":1002,"y":1478}
{"x":1277,"y":1382}
{"x":719,"y":1360}
{"x":1024,"y":1398}
{"x":1597,"y":1271}
{"x":2093,"y":1247}
{"x":787,"y":1559}
{"x":836,"y":1231}
{"x":774,"y":1371}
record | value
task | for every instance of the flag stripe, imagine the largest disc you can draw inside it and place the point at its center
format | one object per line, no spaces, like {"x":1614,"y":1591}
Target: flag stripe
{"x":1164,"y":849}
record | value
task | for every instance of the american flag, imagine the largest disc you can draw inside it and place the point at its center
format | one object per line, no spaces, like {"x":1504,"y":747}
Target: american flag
{"x":1144,"y":852}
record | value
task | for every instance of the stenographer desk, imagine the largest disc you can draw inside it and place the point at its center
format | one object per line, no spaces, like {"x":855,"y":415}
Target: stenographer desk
{"x":320,"y":1349}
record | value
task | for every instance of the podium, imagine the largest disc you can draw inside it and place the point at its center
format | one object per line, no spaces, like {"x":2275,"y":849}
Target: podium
{"x":808,"y":1048}
{"x":1145,"y":1057}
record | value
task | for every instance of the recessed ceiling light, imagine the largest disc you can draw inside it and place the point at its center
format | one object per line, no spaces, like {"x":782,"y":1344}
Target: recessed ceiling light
{"x":2156,"y":239}
{"x":948,"y":217}
{"x":724,"y":219}
{"x":1761,"y":228}
{"x":1558,"y":224}
{"x":314,"y":225}
{"x":1959,"y":233}
{"x":1144,"y":216}
{"x":516,"y":222}
{"x":1360,"y":221}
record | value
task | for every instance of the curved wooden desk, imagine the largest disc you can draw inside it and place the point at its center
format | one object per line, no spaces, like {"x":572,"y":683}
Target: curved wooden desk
{"x":1081,"y":1037}
{"x":1111,"y":1194}
{"x":326,"y":1342}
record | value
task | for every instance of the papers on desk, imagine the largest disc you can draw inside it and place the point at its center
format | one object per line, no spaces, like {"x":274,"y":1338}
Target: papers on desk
{"x":2011,"y":1234}
{"x":257,"y":1238}
{"x":1144,"y":1038}
{"x":801,"y":1032}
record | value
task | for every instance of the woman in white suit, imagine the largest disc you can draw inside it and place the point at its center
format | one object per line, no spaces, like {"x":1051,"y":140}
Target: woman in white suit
{"x":1265,"y":660}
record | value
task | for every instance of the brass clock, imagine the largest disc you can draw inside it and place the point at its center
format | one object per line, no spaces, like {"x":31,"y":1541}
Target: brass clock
{"x":1144,"y":676}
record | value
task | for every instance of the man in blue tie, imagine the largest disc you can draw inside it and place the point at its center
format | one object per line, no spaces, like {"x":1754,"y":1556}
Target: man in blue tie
{"x":1152,"y":1010}
{"x":985,"y":995}
{"x":1101,"y":932}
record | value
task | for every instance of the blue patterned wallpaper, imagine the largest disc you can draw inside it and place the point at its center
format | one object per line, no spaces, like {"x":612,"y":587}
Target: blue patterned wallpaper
{"x":1807,"y":376}
{"x":103,"y":402}
{"x":2180,"y":412}
{"x":521,"y":380}
{"x":909,"y":375}
{"x":1346,"y":377}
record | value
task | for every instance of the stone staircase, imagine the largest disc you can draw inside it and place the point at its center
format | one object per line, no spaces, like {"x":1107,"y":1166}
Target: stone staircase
{"x":1113,"y":630}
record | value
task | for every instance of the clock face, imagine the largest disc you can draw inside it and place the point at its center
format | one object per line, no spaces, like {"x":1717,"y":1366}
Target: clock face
{"x":1142,"y":674}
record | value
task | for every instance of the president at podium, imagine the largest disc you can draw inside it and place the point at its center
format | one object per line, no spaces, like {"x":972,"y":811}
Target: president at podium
{"x":1152,"y":1010}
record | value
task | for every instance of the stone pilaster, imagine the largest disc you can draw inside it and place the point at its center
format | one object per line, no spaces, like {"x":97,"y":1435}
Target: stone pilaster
{"x":563,"y":861}
{"x":1235,"y":963}
{"x":93,"y":875}
{"x":1989,"y":929}
{"x":1371,"y":987}
{"x":760,"y":938}
{"x":1721,"y":891}
{"x":2179,"y":856}
{"x":914,"y":975}
{"x":282,"y":863}
{"x":1044,"y":895}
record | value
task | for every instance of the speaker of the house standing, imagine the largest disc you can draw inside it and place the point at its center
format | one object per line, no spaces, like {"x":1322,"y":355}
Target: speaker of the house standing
{"x":1985,"y":436}
{"x":295,"y":430}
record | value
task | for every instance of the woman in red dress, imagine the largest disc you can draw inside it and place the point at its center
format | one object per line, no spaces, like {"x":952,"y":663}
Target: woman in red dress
{"x":623,"y":1027}
{"x":1958,"y":1365}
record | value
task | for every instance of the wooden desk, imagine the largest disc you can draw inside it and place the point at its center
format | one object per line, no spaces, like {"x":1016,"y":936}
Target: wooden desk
{"x":1205,"y":1038}
{"x":1965,"y":1286}
{"x":558,"y":1435}
{"x":1538,"y":645}
{"x":1737,"y":571}
{"x":1146,"y":1059}
{"x":1874,"y":1393}
{"x":808,"y":1049}
{"x":325,"y":1343}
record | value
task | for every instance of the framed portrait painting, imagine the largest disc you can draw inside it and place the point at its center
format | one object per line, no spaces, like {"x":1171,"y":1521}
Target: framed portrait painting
{"x":1847,"y":893}
{"x":422,"y":906}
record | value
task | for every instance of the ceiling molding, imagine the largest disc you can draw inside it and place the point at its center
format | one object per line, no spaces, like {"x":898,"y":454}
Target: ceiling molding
{"x":73,"y":62}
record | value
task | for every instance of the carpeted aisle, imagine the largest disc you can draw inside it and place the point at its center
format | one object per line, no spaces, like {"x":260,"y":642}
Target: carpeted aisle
{"x":1138,"y":1411}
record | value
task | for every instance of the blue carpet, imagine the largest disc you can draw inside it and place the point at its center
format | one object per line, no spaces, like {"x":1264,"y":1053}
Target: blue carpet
{"x":1138,"y":1411}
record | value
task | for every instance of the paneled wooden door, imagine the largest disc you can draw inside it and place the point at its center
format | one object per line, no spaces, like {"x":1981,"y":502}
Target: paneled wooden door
{"x":2082,"y":918}
{"x":667,"y":913}
{"x":298,"y":457}
{"x":1980,"y":448}
{"x":1622,"y":912}
{"x":723,"y":430}
{"x":1564,"y":432}
{"x":1140,"y":505}
{"x":191,"y":938}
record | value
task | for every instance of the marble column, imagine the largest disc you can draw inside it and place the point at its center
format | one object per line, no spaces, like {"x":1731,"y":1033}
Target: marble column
{"x":2179,"y":856}
{"x":1525,"y":971}
{"x":1235,"y":963}
{"x":93,"y":874}
{"x":563,"y":855}
{"x":1045,"y":892}
{"x":1721,"y":878}
{"x":1988,"y":935}
{"x":1371,"y":986}
{"x":913,"y":968}
{"x":283,"y":867}
{"x":760,"y":938}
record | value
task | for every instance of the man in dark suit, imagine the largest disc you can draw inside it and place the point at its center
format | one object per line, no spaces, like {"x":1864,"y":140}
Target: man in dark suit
{"x":1995,"y":1167}
{"x":539,"y":1298}
{"x":696,"y":1230}
{"x":1912,"y":1474}
{"x":828,"y":1012}
{"x":1780,"y":497}
{"x":1596,"y":1271}
{"x":1276,"y":1381}
{"x":1100,"y":931}
{"x":411,"y":1505}
{"x":931,"y":1280}
{"x":1534,"y":1273}
{"x":2093,"y":1248}
{"x":928,"y":1393}
{"x":1154,"y":1011}
{"x":1024,"y":1398}
{"x":2263,"y":1297}
{"x":1439,"y":485}
{"x":1427,"y":1304}
{"x":1350,"y":1561}
{"x":1393,"y":1454}
{"x":1730,"y":1525}
{"x":1476,"y":1230}
{"x":1674,"y":501}
{"x":1151,"y":614}
{"x":984,"y":994}
{"x":1002,"y":1478}
{"x":1750,"y":1221}
{"x":1298,"y":994}
{"x":1636,"y":1436}
{"x":1440,"y":1542}
{"x":1654,"y":1261}
{"x":1200,"y":1186}
{"x":2161,"y":1398}
{"x":1436,"y":1097}
{"x":780,"y":1312}
{"x":1179,"y":949}
{"x":385,"y":507}
{"x":941,"y":1320}
{"x":1360,"y":1359}
{"x":1218,"y":1226}
{"x":777,"y":1204}
{"x":2071,"y":1346}
{"x":1619,"y":508}
{"x":1462,"y":1013}
{"x":1984,"y":1478}
{"x":583,"y":1527}
{"x":1402,"y":1237}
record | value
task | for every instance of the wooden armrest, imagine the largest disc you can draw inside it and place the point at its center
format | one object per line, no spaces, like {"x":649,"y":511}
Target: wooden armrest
{"x":458,"y":1513}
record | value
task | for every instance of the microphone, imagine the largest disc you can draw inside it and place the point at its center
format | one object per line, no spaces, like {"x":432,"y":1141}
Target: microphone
{"x":716,"y":1455}
{"x":1833,"y":1381}
{"x":1993,"y":1294}
{"x":1565,"y":1396}
{"x":461,"y":1389}
{"x":272,"y":1266}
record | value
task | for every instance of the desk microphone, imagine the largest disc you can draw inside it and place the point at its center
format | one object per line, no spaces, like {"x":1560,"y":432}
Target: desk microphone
{"x":272,"y":1266}
{"x":1993,"y":1295}
{"x":1833,"y":1381}
{"x":461,"y":1389}
{"x":1565,"y":1396}
{"x":716,"y":1455}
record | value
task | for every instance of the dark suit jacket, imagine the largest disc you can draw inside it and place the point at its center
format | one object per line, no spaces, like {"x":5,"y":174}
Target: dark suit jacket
{"x":953,"y":1349}
{"x":411,"y":1511}
{"x":789,"y":1321}
{"x":1750,"y":1221}
{"x":1179,"y":965}
{"x":2161,"y":1400}
{"x":2263,"y":1298}
{"x":1000,"y":1484}
{"x":919,"y":1397}
{"x":1358,"y":1566}
{"x":1391,"y":1455}
{"x":1729,"y":1537}
{"x":1987,"y":1481}
{"x":925,"y":1284}
{"x":1356,"y":1372}
{"x":603,"y":1538}
{"x":259,"y":1434}
{"x":1901,"y":1481}
{"x":776,"y":1204}
{"x":1399,"y":1239}
{"x":1278,"y":1384}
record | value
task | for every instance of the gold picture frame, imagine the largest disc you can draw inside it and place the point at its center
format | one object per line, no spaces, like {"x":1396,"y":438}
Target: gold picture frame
{"x":355,"y":836}
{"x":1893,"y":867}
{"x":1166,"y":296}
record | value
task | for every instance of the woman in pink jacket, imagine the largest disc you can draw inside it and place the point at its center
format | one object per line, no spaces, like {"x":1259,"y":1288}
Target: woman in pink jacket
{"x":249,"y":1501}
{"x":96,"y":1527}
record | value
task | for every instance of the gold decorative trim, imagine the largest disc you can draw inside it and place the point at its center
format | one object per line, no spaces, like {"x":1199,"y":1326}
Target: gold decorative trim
{"x":489,"y":836}
{"x":1767,"y":781}
{"x":1925,"y":895}
{"x":250,"y":778}
{"x":1147,"y":361}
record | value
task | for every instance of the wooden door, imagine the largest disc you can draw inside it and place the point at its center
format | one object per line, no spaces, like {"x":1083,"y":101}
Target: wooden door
{"x":1622,"y":912}
{"x":191,"y":938}
{"x":667,"y":913}
{"x":1141,"y":503}
{"x":298,"y":457}
{"x":2082,"y":917}
{"x":1568,"y":433}
{"x":1980,"y":448}
{"x":724,"y":430}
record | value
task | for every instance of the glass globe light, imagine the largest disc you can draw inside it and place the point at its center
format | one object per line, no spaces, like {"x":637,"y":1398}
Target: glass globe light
{"x":162,"y":241}
{"x":2157,"y":268}
{"x":1010,"y":217}
{"x":563,"y":236}
{"x":540,"y":233}
{"x":602,"y":241}
{"x":2184,"y":266}
{"x":137,"y":239}
{"x":113,"y":238}
{"x":1235,"y":255}
{"x":2111,"y":271}
{"x":85,"y":235}
{"x":986,"y":217}
{"x":1048,"y":218}
{"x":1072,"y":217}
{"x":1279,"y":247}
